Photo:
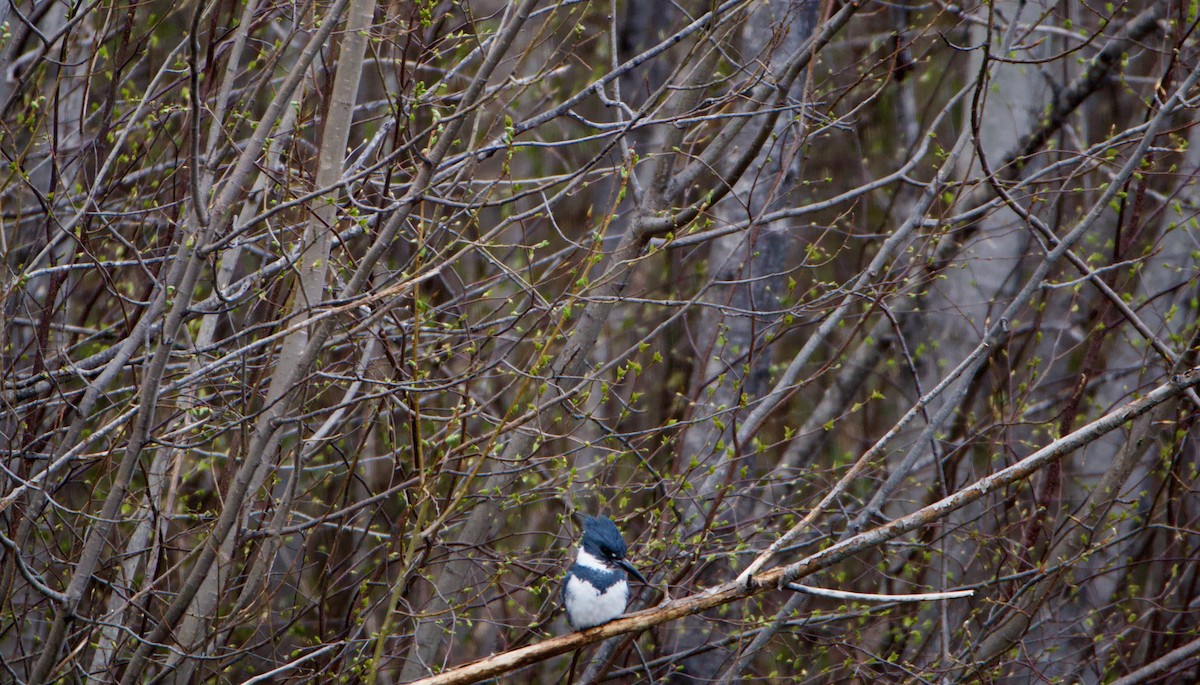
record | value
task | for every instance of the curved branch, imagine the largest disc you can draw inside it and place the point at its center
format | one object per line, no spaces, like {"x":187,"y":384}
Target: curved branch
{"x":506,"y":662}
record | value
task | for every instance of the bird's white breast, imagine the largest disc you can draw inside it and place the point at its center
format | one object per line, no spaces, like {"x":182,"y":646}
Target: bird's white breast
{"x":588,"y":607}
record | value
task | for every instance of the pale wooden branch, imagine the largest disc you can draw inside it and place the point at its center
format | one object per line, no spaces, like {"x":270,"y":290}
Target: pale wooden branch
{"x":874,"y":597}
{"x":1161,"y":665}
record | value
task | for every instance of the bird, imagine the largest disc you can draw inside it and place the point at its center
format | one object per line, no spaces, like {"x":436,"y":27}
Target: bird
{"x":596,"y":589}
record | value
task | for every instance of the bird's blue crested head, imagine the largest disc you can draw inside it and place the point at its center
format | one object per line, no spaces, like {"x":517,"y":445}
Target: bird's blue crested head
{"x":601,"y":538}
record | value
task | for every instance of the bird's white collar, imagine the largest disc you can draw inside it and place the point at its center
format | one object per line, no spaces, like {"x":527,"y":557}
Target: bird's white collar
{"x":588,"y":560}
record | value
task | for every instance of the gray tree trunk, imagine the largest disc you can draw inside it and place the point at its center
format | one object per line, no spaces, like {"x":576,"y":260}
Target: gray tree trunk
{"x":740,"y":314}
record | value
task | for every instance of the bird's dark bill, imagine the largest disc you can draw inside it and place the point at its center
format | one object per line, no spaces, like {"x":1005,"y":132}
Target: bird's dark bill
{"x":624,"y":563}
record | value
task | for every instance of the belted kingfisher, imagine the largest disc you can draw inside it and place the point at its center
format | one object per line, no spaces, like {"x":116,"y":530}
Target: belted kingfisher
{"x":596,"y":588}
